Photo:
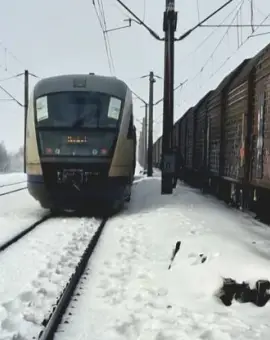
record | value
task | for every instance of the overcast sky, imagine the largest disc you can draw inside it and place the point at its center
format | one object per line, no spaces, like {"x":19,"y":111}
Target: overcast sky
{"x":63,"y":36}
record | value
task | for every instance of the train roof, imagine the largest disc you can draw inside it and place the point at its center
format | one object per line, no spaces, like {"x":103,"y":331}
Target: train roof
{"x":81,"y":82}
{"x":188,"y":112}
{"x":230,"y":77}
{"x":203,"y":100}
{"x":249,"y":67}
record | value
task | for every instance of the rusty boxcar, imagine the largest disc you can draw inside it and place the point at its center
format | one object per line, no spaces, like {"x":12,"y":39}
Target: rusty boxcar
{"x":226,"y":135}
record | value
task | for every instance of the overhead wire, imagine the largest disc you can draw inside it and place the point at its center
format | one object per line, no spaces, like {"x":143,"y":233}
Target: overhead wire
{"x":5,"y":67}
{"x":8,"y":51}
{"x":198,"y":11}
{"x":241,"y":45}
{"x":102,"y":23}
{"x":236,"y":8}
{"x":201,"y":23}
{"x":144,"y":9}
{"x":11,"y":96}
{"x":12,"y":76}
{"x":209,"y":36}
{"x":218,"y":44}
{"x":101,"y":6}
{"x":160,"y":117}
{"x":256,"y":27}
{"x":103,"y":28}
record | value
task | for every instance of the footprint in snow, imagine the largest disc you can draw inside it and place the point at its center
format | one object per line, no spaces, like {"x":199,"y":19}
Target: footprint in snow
{"x":36,"y":284}
{"x":3,"y":313}
{"x":161,"y":336}
{"x":27,"y":296}
{"x":162,"y":292}
{"x":30,"y":316}
{"x":108,"y":264}
{"x":13,"y":306}
{"x":120,"y":255}
{"x":50,"y":291}
{"x":8,"y":325}
{"x":43,"y":273}
{"x":63,"y":259}
{"x":104,"y":284}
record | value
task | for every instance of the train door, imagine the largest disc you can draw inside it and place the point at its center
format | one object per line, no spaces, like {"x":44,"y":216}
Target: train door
{"x":132,"y":136}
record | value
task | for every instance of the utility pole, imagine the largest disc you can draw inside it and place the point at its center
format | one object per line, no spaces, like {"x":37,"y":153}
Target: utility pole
{"x":144,"y":126}
{"x":168,"y":158}
{"x":145,"y":136}
{"x":169,"y":27}
{"x":148,"y":123}
{"x":140,"y":148}
{"x":26,"y":102}
{"x":150,"y":126}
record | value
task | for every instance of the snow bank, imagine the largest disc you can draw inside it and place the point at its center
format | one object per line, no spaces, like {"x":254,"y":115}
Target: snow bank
{"x":131,"y":294}
{"x":12,"y":178}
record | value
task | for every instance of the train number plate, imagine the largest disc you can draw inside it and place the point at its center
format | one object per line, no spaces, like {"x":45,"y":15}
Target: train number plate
{"x":72,"y":172}
{"x":72,"y":175}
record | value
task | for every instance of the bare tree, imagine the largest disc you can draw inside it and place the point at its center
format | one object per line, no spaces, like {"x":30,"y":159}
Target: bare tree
{"x":4,"y":158}
{"x":16,"y":160}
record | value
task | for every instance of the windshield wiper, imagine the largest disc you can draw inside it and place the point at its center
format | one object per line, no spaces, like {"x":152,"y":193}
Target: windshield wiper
{"x":81,"y":119}
{"x":78,"y":122}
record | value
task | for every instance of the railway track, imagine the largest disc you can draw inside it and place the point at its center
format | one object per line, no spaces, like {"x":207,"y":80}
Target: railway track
{"x":11,"y":184}
{"x":54,"y":320}
{"x":19,"y":188}
{"x":12,"y":191}
{"x":26,"y":231}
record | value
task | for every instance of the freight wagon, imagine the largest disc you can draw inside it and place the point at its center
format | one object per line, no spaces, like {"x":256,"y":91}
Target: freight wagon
{"x":224,"y":140}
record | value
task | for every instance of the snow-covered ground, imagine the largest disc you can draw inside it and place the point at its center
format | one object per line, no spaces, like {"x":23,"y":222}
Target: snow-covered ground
{"x":131,"y":294}
{"x":12,"y":178}
{"x":34,"y":272}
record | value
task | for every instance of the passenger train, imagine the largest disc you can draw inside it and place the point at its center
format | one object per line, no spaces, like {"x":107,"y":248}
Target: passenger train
{"x":80,"y":145}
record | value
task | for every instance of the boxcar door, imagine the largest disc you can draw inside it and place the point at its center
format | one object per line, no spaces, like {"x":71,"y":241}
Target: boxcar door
{"x":258,"y":159}
{"x":206,"y":151}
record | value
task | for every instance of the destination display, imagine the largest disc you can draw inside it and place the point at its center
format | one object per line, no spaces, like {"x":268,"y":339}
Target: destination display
{"x":77,"y":139}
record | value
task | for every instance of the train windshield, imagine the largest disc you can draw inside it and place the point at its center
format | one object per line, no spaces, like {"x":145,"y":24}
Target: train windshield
{"x":78,"y":110}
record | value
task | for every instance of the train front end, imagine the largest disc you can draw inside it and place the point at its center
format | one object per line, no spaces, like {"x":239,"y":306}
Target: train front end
{"x":72,"y":131}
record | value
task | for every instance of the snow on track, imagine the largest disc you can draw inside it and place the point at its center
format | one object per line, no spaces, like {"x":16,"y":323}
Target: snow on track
{"x":17,"y":212}
{"x":35,"y":271}
{"x":131,"y":294}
